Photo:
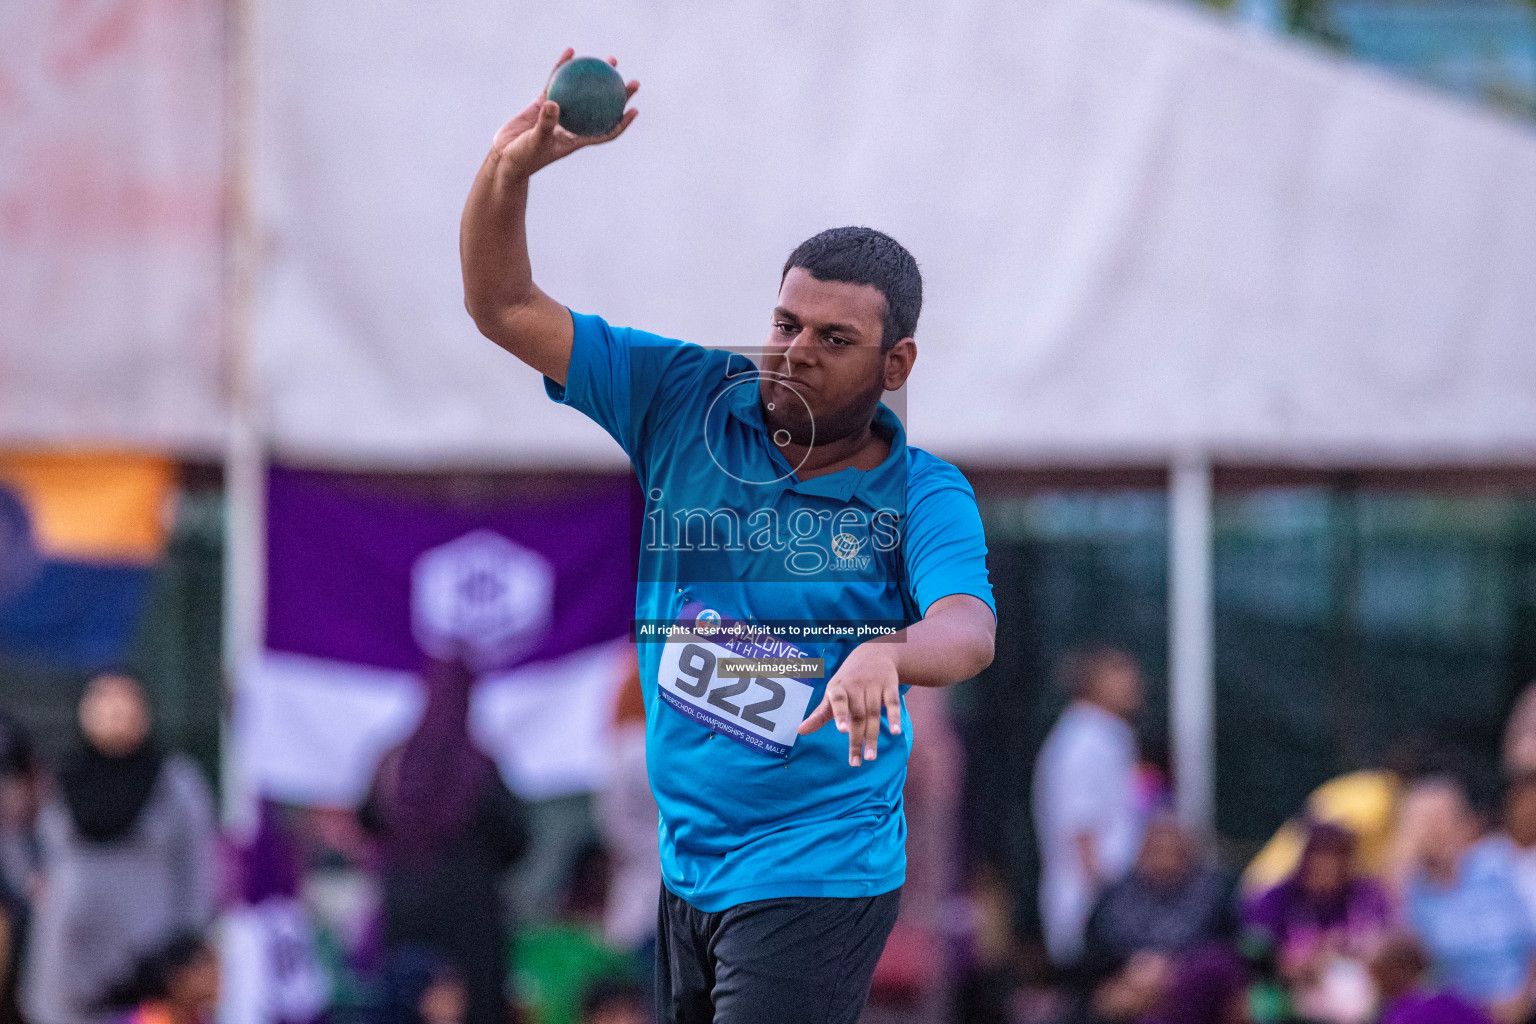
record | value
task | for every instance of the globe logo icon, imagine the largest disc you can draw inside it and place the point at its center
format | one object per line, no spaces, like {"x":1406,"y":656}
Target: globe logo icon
{"x":846,"y":545}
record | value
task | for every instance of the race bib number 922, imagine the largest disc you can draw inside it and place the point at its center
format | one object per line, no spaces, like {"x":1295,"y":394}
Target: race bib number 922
{"x":762,"y":712}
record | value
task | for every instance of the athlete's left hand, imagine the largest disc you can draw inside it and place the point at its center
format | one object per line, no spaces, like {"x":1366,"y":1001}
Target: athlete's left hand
{"x":864,"y":683}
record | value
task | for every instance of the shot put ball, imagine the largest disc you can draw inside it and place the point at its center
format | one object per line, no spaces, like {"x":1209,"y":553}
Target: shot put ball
{"x":591,"y":96}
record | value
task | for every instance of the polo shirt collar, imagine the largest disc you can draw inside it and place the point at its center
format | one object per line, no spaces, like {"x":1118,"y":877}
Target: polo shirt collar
{"x":878,"y":488}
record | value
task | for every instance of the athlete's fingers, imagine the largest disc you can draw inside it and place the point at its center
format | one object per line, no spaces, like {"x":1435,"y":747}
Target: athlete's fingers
{"x":624,"y":122}
{"x":544,"y":115}
{"x":542,"y":148}
{"x":893,"y":709}
{"x":566,"y":55}
{"x":516,"y":125}
{"x":631,"y":87}
{"x":872,"y":703}
{"x":839,"y":701}
{"x":858,"y":719}
{"x":820,"y":717}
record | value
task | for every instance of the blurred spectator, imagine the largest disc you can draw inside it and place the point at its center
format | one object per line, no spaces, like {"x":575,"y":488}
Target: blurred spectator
{"x":1399,"y":970}
{"x":18,"y":856}
{"x":910,"y":978}
{"x":1085,"y":787}
{"x":445,"y":999}
{"x":178,"y":984}
{"x":340,"y":889}
{"x":424,"y":987}
{"x":1369,"y":804}
{"x":1364,"y":802}
{"x":1464,"y":905}
{"x":987,"y":975}
{"x":1325,"y":923}
{"x":1169,"y":904}
{"x":272,"y":973}
{"x":557,"y":961}
{"x":19,"y":783}
{"x":1518,"y":840}
{"x":626,"y":817}
{"x":611,"y":1001}
{"x":1520,"y":734}
{"x":448,"y":828}
{"x":1209,"y":987}
{"x":129,"y":858}
{"x":12,"y":929}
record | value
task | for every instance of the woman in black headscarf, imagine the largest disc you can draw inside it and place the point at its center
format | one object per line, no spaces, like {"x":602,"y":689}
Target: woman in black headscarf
{"x":448,"y":829}
{"x":129,"y":858}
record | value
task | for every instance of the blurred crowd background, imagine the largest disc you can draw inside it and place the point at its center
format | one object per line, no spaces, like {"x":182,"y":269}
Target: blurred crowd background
{"x":316,"y":696}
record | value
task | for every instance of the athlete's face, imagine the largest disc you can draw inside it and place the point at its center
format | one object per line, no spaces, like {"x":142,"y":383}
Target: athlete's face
{"x":825,"y":367}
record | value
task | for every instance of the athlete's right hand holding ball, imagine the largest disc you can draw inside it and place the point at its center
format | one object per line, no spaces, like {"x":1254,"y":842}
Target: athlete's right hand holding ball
{"x":534,"y":138}
{"x":493,"y":240}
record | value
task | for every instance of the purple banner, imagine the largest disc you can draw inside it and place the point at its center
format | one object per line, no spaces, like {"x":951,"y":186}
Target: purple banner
{"x":363,"y":569}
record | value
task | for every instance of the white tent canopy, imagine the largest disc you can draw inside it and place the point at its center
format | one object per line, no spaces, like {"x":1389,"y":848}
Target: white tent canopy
{"x":112,"y":139}
{"x":1143,"y":230}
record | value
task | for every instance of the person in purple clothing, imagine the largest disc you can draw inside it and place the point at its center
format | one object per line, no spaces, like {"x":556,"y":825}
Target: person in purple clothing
{"x":1325,"y":921}
{"x":448,"y":828}
{"x":1399,"y":970}
{"x":1210,"y":987}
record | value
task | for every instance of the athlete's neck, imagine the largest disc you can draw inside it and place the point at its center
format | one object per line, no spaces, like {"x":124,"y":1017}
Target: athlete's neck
{"x":863,"y":449}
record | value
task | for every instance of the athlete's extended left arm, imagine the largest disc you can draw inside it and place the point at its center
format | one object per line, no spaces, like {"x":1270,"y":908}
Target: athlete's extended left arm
{"x":952,"y":642}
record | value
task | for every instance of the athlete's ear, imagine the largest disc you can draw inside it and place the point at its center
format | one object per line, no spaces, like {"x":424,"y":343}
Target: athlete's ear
{"x":898,"y":363}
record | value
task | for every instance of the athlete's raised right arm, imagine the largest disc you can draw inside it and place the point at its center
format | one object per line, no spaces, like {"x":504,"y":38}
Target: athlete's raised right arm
{"x":493,"y":237}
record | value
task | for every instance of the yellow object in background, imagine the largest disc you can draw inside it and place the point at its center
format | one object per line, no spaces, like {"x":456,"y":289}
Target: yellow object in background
{"x":93,"y":506}
{"x":1365,"y":802}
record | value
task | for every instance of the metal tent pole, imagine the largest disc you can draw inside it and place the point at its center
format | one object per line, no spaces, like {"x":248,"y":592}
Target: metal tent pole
{"x":244,"y":455}
{"x":1191,"y":624}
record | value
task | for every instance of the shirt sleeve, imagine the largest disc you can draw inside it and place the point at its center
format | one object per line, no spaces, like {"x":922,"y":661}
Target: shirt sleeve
{"x":946,"y":548}
{"x":624,"y":379}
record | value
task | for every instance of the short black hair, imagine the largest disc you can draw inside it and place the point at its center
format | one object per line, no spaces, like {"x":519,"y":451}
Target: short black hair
{"x":855,"y":255}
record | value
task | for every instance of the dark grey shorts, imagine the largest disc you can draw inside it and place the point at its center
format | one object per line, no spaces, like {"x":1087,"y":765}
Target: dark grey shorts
{"x":796,"y":960}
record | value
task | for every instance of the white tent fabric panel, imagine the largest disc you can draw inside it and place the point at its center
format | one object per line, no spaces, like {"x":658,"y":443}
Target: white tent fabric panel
{"x":1143,"y":230}
{"x":311,"y":731}
{"x":112,"y":187}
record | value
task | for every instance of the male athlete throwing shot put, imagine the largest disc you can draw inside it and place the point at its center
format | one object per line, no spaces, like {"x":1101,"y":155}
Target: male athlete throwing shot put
{"x":777,"y":494}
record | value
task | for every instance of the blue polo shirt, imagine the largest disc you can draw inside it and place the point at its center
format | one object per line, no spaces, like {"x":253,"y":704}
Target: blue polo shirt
{"x":732,"y":539}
